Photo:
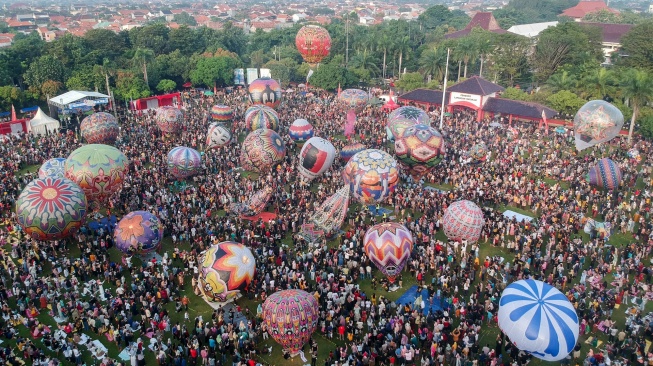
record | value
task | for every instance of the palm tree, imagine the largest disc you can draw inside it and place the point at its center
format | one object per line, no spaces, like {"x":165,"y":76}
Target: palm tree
{"x":467,"y":50}
{"x":597,"y":83}
{"x":432,"y":63}
{"x":106,"y":70}
{"x":558,"y":82}
{"x":365,"y":60}
{"x":141,"y":57}
{"x":384,"y":42}
{"x":483,"y":47}
{"x":637,"y":88}
{"x":401,"y":48}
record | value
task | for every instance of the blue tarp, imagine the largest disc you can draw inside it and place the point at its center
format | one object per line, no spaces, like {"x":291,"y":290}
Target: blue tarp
{"x":380,"y":211}
{"x":106,"y":223}
{"x":411,"y":294}
{"x":29,"y":109}
{"x":4,"y":114}
{"x":520,"y":218}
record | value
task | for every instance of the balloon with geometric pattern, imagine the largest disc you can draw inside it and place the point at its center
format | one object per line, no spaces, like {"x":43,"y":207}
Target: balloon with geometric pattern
{"x":260,"y":116}
{"x":420,"y":149}
{"x":350,"y":150}
{"x":355,"y":99}
{"x":291,"y":317}
{"x":478,"y":152}
{"x":300,"y":131}
{"x":595,"y":122}
{"x":100,"y":128}
{"x":395,"y":128}
{"x":222,"y":113}
{"x":463,"y":220}
{"x":53,"y":168}
{"x":388,"y":245}
{"x":226,"y":269}
{"x":605,"y":174}
{"x":371,"y":175}
{"x":138,"y":232}
{"x":512,"y":133}
{"x":316,"y":157}
{"x":265,"y":91}
{"x":169,"y":119}
{"x":261,"y":149}
{"x":184,"y":162}
{"x":415,"y":114}
{"x":98,"y":169}
{"x":313,"y":43}
{"x":217,"y":136}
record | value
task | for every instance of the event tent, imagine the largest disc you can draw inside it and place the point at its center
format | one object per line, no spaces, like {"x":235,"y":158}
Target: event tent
{"x":41,"y":124}
{"x":74,"y":99}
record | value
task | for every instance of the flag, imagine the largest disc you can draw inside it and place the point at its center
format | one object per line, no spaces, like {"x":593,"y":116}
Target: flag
{"x":310,"y":73}
{"x":13,"y":113}
{"x":339,"y":90}
{"x":546,"y":123}
{"x":350,"y":123}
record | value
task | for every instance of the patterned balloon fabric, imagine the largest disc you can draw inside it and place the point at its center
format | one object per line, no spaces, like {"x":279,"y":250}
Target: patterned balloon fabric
{"x":388,"y":245}
{"x":261,"y":149}
{"x":169,"y":119}
{"x":595,"y":122}
{"x":605,"y":174}
{"x":254,"y":205}
{"x":260,"y":116}
{"x":184,"y":162}
{"x":265,"y":91}
{"x":420,"y":149}
{"x":222,"y":113}
{"x":371,"y":175}
{"x":354,"y":98}
{"x":53,"y":168}
{"x":478,"y":152}
{"x":300,"y":131}
{"x":395,"y":129}
{"x":330,"y":215}
{"x":350,"y":150}
{"x":226,"y":269}
{"x":98,"y":169}
{"x":138,"y":232}
{"x":100,"y":128}
{"x":316,"y":157}
{"x":512,"y":133}
{"x":463,"y":220}
{"x":51,"y":208}
{"x":418,"y":115}
{"x":291,"y":317}
{"x":313,"y":43}
{"x":217,"y":136}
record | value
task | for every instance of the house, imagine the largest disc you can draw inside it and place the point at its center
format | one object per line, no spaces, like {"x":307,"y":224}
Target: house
{"x":6,"y":39}
{"x":46,"y":34}
{"x":484,"y":20}
{"x":298,"y":17}
{"x":578,"y":12}
{"x":21,"y":26}
{"x":366,"y":20}
{"x":612,"y":34}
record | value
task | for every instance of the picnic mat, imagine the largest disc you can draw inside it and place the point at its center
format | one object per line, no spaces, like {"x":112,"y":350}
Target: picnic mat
{"x":520,"y":217}
{"x":265,"y":216}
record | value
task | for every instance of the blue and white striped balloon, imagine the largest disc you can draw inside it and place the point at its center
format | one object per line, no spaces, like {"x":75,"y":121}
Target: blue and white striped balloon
{"x":538,"y":319}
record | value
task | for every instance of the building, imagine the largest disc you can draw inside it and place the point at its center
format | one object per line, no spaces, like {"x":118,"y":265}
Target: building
{"x":612,"y":34}
{"x":578,"y":12}
{"x":531,"y":30}
{"x":6,"y":39}
{"x":484,"y":20}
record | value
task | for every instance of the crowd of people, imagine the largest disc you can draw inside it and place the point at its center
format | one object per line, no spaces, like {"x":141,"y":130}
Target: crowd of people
{"x":144,"y":309}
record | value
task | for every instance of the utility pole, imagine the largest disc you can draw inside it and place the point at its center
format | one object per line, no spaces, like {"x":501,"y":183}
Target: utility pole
{"x":347,"y":41}
{"x":444,"y":90}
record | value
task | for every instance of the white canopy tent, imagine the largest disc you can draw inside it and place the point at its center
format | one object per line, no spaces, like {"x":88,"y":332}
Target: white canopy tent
{"x":41,"y":124}
{"x":78,"y":99}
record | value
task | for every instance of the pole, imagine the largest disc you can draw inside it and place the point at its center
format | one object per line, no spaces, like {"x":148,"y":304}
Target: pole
{"x":347,"y":41}
{"x":444,"y":89}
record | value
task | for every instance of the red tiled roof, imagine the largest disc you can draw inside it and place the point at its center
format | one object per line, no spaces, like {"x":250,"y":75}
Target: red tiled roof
{"x":612,"y":33}
{"x":484,"y":20}
{"x":586,"y":7}
{"x":7,"y":35}
{"x":476,"y":85}
{"x":15,"y":23}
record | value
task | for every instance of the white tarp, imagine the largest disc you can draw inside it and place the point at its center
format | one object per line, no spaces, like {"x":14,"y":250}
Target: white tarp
{"x":63,"y":100}
{"x":41,"y":124}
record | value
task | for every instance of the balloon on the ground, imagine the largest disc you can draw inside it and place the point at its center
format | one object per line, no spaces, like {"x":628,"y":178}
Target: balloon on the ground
{"x":184,"y":162}
{"x":388,"y":245}
{"x":169,"y":119}
{"x":478,"y":152}
{"x":634,"y":154}
{"x":53,"y":168}
{"x":222,"y":113}
{"x":512,"y":133}
{"x":355,"y":99}
{"x":100,"y":128}
{"x":291,"y":317}
{"x":395,"y":129}
{"x":51,"y":208}
{"x":300,"y":131}
{"x":254,"y":205}
{"x":371,"y":175}
{"x":463,"y":220}
{"x":261,"y":149}
{"x":98,"y":169}
{"x":538,"y":319}
{"x":350,"y":150}
{"x":227,"y":268}
{"x":316,"y":157}
{"x":265,"y":91}
{"x":420,"y":149}
{"x":330,"y":215}
{"x":418,"y":115}
{"x":260,"y":116}
{"x":313,"y":43}
{"x":605,"y":174}
{"x":217,"y":136}
{"x":595,"y":122}
{"x":138,"y":232}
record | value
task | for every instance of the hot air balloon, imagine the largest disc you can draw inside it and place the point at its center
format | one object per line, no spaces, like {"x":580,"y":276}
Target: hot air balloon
{"x":300,"y":131}
{"x":316,"y":157}
{"x":605,"y":174}
{"x":138,"y":232}
{"x":634,"y":154}
{"x":227,"y":268}
{"x":184,"y":162}
{"x":261,"y":149}
{"x":217,"y":136}
{"x":169,"y":119}
{"x":388,"y":245}
{"x":313,"y":43}
{"x":350,"y":150}
{"x":355,"y":99}
{"x":260,"y":116}
{"x":291,"y":317}
{"x":254,"y":205}
{"x":396,"y":128}
{"x":463,"y":220}
{"x":53,"y":168}
{"x":478,"y":152}
{"x":265,"y":91}
{"x":98,"y":169}
{"x":418,"y":115}
{"x":512,"y":133}
{"x":595,"y":122}
{"x":330,"y":215}
{"x":371,"y":175}
{"x":100,"y":128}
{"x":222,"y":113}
{"x":51,"y":208}
{"x":420,"y":149}
{"x":538,"y":319}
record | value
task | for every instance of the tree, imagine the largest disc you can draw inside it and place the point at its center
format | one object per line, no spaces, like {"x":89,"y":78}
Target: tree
{"x":130,"y":87}
{"x":44,"y":68}
{"x":467,"y":49}
{"x":597,"y":84}
{"x":384,"y":43}
{"x":141,"y":57}
{"x":106,"y":43}
{"x":410,"y":81}
{"x":432,"y":63}
{"x":10,"y":95}
{"x":51,"y":88}
{"x":531,"y":11}
{"x":515,"y":94}
{"x":637,"y":87}
{"x":638,"y":46}
{"x":330,"y":76}
{"x":210,"y":71}
{"x":284,"y":70}
{"x":166,"y":86}
{"x":184,"y":18}
{"x":365,"y":60}
{"x":185,"y":40}
{"x":153,"y":37}
{"x":439,"y":15}
{"x":561,"y":81}
{"x":565,"y":101}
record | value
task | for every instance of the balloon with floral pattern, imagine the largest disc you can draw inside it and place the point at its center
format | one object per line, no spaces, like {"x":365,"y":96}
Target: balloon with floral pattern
{"x":262,"y":149}
{"x":371,"y":175}
{"x":227,"y":269}
{"x":100,"y":128}
{"x":98,"y":169}
{"x":169,"y":119}
{"x":53,"y":168}
{"x":138,"y":232}
{"x":595,"y":122}
{"x":184,"y":162}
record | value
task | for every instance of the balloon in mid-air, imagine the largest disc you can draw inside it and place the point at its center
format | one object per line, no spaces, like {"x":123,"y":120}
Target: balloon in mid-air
{"x":463,"y":220}
{"x":51,"y":208}
{"x":265,"y":91}
{"x":169,"y":119}
{"x":217,"y":136}
{"x":291,"y":317}
{"x":595,"y":122}
{"x":184,"y":162}
{"x":313,"y":43}
{"x":420,"y":149}
{"x":605,"y":174}
{"x":98,"y":169}
{"x":418,"y":115}
{"x":100,"y":128}
{"x":222,"y":113}
{"x":371,"y":175}
{"x":261,"y":149}
{"x":227,"y":268}
{"x":316,"y":157}
{"x":138,"y":232}
{"x":350,"y":150}
{"x":395,"y":128}
{"x":538,"y":319}
{"x":260,"y":116}
{"x":52,"y":168}
{"x":388,"y":245}
{"x":300,"y":131}
{"x":355,"y":99}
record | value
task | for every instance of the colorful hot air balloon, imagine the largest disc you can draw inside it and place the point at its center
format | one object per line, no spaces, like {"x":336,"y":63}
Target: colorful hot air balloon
{"x":291,"y":317}
{"x":51,"y":208}
{"x":350,"y":150}
{"x":595,"y":122}
{"x":396,"y":127}
{"x":512,"y":133}
{"x":184,"y":162}
{"x":260,"y":116}
{"x":605,"y":174}
{"x":261,"y":149}
{"x":538,"y":319}
{"x":418,"y":115}
{"x":355,"y":99}
{"x":420,"y":149}
{"x":53,"y":168}
{"x":138,"y":232}
{"x":463,"y":220}
{"x":316,"y":157}
{"x":313,"y":43}
{"x":100,"y":128}
{"x":169,"y":119}
{"x":478,"y":152}
{"x":634,"y":154}
{"x":222,"y":113}
{"x":217,"y":136}
{"x":254,"y":205}
{"x":388,"y":245}
{"x":98,"y":169}
{"x":266,"y":91}
{"x":371,"y":175}
{"x":300,"y":131}
{"x":226,"y":269}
